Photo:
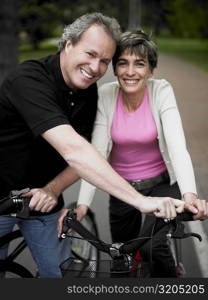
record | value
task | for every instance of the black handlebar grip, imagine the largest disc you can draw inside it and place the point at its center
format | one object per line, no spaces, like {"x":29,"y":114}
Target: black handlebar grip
{"x":7,"y":206}
{"x":185,"y":216}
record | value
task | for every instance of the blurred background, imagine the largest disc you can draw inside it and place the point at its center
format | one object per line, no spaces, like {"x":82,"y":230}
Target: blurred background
{"x":31,"y":29}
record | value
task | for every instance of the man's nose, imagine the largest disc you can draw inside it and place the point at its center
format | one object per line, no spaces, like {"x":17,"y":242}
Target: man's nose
{"x":95,"y":64}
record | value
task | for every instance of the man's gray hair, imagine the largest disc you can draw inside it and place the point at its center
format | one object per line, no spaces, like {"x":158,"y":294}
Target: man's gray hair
{"x":74,"y":30}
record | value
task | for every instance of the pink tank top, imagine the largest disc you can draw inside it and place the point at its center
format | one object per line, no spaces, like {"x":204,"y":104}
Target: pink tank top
{"x":135,"y":154}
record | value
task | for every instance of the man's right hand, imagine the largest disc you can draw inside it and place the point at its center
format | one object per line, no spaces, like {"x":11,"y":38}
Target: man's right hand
{"x":162,"y":207}
{"x":81,"y":211}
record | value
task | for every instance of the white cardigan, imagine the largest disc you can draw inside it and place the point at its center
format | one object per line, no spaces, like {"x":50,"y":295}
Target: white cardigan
{"x":171,"y":138}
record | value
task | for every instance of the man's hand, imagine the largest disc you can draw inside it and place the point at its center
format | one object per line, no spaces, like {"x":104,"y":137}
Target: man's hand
{"x":42,"y":199}
{"x":81,"y":212}
{"x":162,"y":207}
{"x":195,"y":205}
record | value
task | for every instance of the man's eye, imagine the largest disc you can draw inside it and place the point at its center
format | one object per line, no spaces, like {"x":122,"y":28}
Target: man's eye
{"x":90,"y":54}
{"x":106,"y":62}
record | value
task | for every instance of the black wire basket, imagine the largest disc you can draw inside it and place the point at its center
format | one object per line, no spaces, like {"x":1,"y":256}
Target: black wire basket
{"x":115,"y":268}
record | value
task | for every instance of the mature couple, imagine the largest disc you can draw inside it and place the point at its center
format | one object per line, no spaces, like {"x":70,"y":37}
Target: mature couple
{"x":48,"y":111}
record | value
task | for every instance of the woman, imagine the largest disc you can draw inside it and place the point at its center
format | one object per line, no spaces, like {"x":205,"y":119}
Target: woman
{"x":138,"y":128}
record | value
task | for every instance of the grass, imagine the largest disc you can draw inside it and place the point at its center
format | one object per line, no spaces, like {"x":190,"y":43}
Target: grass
{"x":191,"y":50}
{"x":45,"y":48}
{"x":194,"y":51}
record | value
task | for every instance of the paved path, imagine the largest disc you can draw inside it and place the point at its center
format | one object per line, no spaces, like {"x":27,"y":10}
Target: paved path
{"x":191,"y":89}
{"x":190,"y":86}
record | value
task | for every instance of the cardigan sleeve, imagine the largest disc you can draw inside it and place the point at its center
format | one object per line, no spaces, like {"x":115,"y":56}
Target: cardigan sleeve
{"x":175,"y":140}
{"x":100,"y":140}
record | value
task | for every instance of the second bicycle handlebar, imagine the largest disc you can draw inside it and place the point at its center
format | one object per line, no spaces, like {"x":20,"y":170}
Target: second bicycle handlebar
{"x":131,"y":246}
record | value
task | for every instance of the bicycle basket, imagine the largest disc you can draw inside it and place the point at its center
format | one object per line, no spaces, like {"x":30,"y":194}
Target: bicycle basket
{"x":78,"y":268}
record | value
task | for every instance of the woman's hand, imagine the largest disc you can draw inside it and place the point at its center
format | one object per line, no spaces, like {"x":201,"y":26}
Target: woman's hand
{"x":81,"y":211}
{"x":192,"y":203}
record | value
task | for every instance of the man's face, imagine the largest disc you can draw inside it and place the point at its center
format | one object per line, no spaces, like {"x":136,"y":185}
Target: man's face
{"x":87,"y":61}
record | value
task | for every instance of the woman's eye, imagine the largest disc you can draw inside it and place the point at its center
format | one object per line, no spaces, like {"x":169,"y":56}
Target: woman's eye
{"x":140,"y":64}
{"x":121,"y":63}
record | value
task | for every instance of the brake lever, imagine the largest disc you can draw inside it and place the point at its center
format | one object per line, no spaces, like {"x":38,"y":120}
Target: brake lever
{"x":179,"y":232}
{"x":71,"y":215}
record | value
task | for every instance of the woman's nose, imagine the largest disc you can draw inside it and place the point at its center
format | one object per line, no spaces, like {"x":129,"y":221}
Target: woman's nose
{"x":130,"y":70}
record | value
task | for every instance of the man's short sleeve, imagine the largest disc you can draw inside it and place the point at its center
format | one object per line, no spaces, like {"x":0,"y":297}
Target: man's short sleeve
{"x":36,"y":102}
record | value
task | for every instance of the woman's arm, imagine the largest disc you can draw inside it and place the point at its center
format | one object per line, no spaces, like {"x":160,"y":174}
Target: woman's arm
{"x":179,"y":155}
{"x":100,"y":140}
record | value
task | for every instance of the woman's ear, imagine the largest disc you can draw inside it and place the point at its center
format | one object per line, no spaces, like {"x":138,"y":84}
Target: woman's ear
{"x":151,"y":74}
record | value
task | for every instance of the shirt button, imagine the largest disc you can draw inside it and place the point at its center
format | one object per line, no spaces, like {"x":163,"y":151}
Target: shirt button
{"x":72,"y":103}
{"x":70,"y":93}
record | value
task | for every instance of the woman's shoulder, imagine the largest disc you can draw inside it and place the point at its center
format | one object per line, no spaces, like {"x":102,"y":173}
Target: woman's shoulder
{"x":161,"y":93}
{"x":158,"y":83}
{"x":108,"y":93}
{"x":108,"y":87}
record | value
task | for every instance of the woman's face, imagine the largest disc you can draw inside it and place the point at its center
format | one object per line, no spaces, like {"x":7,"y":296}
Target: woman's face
{"x":132,"y":72}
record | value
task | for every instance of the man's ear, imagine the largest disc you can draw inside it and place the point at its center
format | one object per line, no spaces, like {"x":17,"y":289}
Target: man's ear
{"x":68,"y":45}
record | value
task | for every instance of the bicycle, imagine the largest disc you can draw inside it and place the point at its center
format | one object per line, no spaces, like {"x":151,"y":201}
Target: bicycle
{"x":125,"y":260}
{"x":15,"y":205}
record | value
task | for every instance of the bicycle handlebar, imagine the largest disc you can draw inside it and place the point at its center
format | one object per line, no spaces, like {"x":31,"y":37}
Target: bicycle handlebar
{"x":177,"y":232}
{"x":118,"y":249}
{"x":16,"y":205}
{"x":70,"y":221}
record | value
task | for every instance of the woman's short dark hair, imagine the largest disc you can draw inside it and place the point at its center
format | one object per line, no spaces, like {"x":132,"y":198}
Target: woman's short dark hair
{"x":139,"y":43}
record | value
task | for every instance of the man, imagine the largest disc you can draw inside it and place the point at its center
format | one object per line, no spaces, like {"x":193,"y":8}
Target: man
{"x":47,"y":110}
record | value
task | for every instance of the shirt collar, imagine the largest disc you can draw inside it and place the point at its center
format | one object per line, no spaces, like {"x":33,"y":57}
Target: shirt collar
{"x":56,"y":69}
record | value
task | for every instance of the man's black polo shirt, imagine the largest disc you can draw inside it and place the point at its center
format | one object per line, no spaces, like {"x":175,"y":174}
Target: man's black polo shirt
{"x":33,"y":99}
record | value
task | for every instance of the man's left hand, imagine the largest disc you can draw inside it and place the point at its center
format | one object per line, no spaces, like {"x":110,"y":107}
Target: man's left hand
{"x":42,"y":199}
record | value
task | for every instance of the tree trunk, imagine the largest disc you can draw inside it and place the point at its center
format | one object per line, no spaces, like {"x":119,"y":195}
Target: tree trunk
{"x":135,"y":14}
{"x":8,"y":37}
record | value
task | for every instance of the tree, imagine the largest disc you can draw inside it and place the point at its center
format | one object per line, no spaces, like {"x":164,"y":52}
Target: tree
{"x":38,"y":19}
{"x":188,"y":18}
{"x":8,"y":37}
{"x":135,"y":13}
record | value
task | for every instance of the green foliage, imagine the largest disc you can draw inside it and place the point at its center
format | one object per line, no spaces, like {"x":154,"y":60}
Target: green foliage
{"x":75,"y":8}
{"x":38,"y":19}
{"x":187,"y":18}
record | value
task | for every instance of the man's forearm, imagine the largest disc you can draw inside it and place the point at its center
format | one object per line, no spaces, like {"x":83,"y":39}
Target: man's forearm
{"x":94,"y":168}
{"x":89,"y":164}
{"x":63,"y":180}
